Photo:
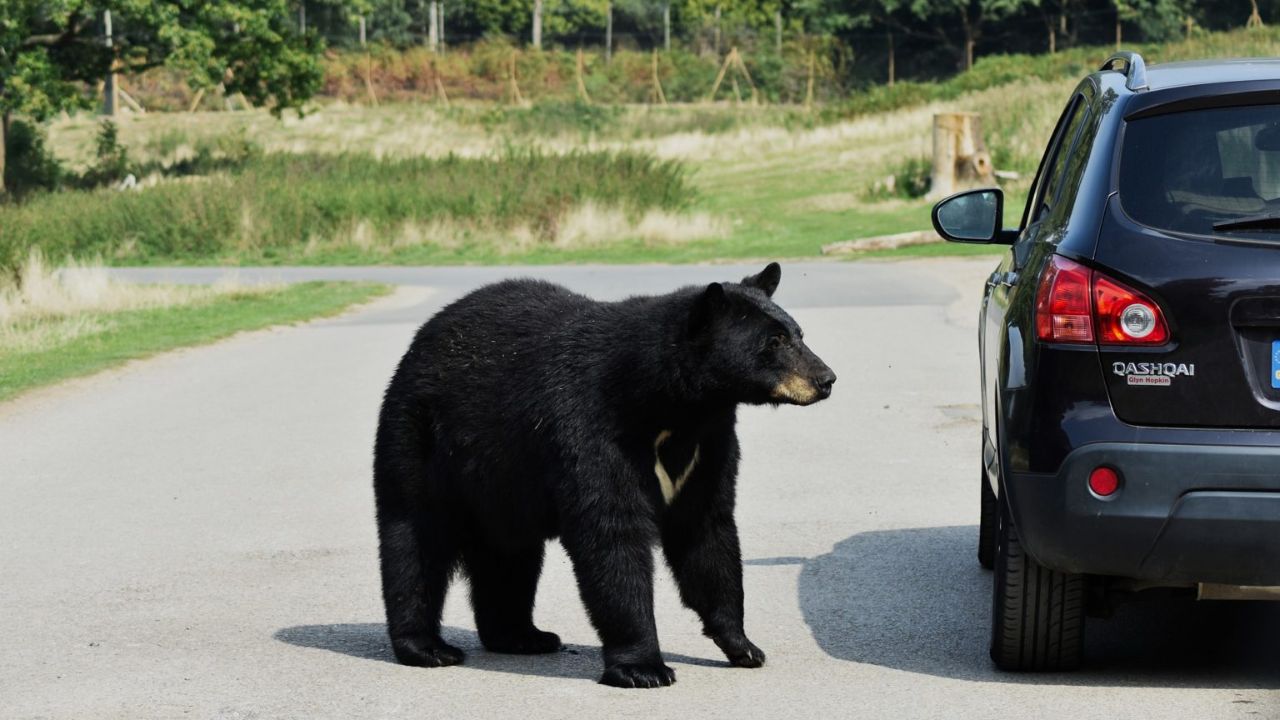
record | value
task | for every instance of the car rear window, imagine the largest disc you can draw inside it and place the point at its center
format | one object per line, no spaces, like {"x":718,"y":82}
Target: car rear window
{"x":1206,"y":172}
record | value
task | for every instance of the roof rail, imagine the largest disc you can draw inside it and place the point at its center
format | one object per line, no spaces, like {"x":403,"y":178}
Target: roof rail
{"x":1135,"y":69}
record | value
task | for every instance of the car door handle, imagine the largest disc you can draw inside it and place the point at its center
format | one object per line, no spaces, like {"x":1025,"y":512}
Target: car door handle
{"x":1007,"y":279}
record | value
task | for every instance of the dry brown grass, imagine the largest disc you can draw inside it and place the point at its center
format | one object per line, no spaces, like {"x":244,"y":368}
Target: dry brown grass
{"x":46,"y":307}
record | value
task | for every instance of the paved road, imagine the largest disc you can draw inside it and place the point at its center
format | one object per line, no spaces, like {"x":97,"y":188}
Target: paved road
{"x":193,"y":537}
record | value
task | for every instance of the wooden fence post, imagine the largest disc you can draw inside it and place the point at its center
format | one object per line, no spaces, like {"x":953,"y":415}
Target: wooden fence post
{"x":580,"y":71}
{"x":516,"y":97}
{"x":808,"y":91}
{"x":658,"y":95}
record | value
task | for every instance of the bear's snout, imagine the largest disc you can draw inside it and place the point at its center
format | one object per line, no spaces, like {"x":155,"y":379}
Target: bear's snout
{"x":797,"y":389}
{"x":823,"y":382}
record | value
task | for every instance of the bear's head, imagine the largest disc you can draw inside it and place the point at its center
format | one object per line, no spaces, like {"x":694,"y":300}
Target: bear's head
{"x":751,"y":350}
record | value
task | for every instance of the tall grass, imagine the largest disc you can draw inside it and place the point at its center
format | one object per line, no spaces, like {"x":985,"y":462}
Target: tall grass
{"x":42,"y":308}
{"x":276,"y":206}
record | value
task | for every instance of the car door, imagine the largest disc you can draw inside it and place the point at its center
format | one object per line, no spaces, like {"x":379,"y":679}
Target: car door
{"x":1002,"y":282}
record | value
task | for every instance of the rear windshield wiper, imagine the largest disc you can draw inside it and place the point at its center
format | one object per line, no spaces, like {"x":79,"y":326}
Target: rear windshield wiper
{"x":1253,"y":222}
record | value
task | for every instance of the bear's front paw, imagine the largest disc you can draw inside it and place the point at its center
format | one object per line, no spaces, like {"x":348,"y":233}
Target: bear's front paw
{"x":638,"y":675}
{"x":742,"y":653}
{"x":533,"y":642}
{"x":417,"y":651}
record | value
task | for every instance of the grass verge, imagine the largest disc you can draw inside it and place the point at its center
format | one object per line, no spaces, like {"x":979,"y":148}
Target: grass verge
{"x":287,"y":208}
{"x":132,"y":334}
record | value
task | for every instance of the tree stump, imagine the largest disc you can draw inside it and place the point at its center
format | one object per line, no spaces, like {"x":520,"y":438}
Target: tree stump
{"x":960,"y":157}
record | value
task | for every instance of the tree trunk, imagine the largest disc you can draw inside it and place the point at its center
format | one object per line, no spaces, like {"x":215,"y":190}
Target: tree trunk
{"x":433,"y":28}
{"x":666,"y":27}
{"x":960,"y":157}
{"x":362,"y":31}
{"x":892,"y":71}
{"x":1119,"y":39}
{"x":608,"y":31}
{"x":110,"y":98}
{"x":4,"y":147}
{"x":970,"y":40}
{"x":537,"y":24}
{"x":717,"y":31}
{"x":777,"y":31}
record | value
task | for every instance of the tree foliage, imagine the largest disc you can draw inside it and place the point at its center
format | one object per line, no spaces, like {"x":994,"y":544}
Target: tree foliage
{"x":50,"y":48}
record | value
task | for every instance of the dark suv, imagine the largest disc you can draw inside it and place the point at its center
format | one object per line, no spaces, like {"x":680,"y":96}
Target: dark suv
{"x":1130,"y":345}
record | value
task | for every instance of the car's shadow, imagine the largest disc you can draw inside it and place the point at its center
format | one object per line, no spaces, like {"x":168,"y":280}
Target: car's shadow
{"x":368,"y":641}
{"x":916,"y":600}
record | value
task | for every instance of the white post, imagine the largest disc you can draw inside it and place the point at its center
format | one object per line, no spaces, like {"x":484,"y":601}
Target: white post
{"x":666,"y":27}
{"x":537,"y":24}
{"x":362,"y":38}
{"x":608,"y":31}
{"x":717,"y":31}
{"x":433,"y":30}
{"x":109,"y":86}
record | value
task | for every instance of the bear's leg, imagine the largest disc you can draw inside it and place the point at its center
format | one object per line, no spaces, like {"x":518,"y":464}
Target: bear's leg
{"x":704,"y":557}
{"x":502,"y":594}
{"x":416,"y":545}
{"x":613,"y":561}
{"x":415,"y":577}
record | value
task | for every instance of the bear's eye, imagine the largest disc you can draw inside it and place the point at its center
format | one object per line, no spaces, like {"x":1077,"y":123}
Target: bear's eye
{"x":776,"y":341}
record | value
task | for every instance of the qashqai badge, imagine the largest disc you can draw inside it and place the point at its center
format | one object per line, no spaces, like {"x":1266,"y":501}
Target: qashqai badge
{"x":1155,"y":374}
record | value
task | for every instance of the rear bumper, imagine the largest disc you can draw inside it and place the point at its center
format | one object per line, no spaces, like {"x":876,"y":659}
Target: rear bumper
{"x":1183,"y":514}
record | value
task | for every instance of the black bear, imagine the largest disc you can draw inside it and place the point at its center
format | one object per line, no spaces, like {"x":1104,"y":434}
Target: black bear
{"x":524,"y":412}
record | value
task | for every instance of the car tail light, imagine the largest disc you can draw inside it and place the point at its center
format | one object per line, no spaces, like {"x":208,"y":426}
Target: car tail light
{"x":1126,"y":316}
{"x":1063,"y":307}
{"x":1077,"y":305}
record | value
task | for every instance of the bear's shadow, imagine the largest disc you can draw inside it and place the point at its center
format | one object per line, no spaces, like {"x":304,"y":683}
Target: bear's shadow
{"x":916,"y":600}
{"x":368,"y":641}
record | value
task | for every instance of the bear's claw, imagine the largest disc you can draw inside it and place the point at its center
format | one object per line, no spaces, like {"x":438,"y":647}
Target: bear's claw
{"x":637,"y":675}
{"x":741,"y":652}
{"x":424,"y":652}
{"x":747,"y":657}
{"x":534,"y":642}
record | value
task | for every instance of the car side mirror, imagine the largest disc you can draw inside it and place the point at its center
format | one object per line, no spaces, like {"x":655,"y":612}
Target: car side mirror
{"x":973,"y":216}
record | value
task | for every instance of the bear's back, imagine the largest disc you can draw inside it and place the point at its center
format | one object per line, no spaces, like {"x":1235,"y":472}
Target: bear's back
{"x":489,"y":355}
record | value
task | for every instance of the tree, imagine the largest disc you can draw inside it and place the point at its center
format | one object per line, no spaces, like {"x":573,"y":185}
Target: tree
{"x":52,"y":52}
{"x":942,"y":17}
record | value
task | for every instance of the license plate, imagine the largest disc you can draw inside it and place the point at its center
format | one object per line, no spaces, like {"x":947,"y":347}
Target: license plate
{"x":1275,"y":364}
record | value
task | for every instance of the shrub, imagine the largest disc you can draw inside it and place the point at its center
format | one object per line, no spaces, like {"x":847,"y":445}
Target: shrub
{"x":29,"y":165}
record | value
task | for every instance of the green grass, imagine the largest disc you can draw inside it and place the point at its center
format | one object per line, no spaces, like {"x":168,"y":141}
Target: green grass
{"x":784,"y":181}
{"x":282,"y":208}
{"x":137,"y":334}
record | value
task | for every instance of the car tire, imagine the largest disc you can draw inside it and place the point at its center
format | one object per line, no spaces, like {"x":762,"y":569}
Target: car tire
{"x":987,"y":523}
{"x":1037,"y":614}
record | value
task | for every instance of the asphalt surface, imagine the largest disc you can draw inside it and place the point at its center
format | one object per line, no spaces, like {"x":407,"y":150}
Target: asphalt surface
{"x":193,"y":536}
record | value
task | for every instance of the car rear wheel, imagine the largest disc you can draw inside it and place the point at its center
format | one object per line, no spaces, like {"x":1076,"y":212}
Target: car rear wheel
{"x":987,"y":523}
{"x":1037,"y":613}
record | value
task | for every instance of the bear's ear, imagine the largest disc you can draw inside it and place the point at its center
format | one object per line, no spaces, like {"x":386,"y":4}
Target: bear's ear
{"x":767,"y":280}
{"x":709,"y":303}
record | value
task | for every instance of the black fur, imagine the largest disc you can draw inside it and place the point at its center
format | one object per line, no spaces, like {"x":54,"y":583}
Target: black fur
{"x":524,"y":412}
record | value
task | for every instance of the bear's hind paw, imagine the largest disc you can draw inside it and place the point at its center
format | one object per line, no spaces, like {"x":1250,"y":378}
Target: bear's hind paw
{"x":422,"y":652}
{"x":743,"y":653}
{"x":636,"y":675}
{"x":534,"y":642}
